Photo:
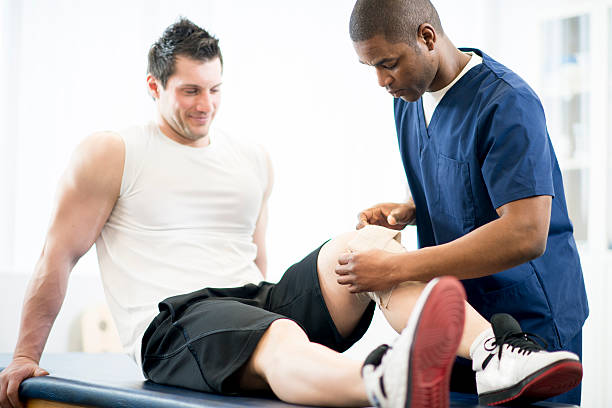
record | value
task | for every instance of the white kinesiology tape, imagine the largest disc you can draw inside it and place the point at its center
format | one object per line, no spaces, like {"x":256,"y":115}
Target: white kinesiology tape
{"x":377,"y":237}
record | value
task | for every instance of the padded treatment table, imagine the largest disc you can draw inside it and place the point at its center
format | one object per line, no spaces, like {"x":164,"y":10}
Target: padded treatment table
{"x":113,"y":380}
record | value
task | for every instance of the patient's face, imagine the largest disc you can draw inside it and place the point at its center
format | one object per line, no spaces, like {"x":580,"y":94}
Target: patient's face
{"x":190,"y":100}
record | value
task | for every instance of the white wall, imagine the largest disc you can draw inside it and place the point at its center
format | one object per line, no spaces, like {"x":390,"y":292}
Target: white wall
{"x":9,"y":50}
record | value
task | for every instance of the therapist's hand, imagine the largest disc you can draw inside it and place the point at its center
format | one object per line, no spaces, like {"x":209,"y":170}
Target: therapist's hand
{"x":390,"y":215}
{"x":10,"y":378}
{"x":367,"y":271}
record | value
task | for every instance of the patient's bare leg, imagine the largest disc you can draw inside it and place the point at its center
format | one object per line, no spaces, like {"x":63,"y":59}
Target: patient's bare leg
{"x":346,"y":308}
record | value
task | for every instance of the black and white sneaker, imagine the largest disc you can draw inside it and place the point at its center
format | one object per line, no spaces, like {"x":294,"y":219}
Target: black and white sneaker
{"x":519,"y":369}
{"x":415,"y":371}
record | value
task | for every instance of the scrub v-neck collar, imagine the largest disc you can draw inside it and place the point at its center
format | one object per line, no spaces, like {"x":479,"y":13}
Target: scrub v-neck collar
{"x":428,"y":131}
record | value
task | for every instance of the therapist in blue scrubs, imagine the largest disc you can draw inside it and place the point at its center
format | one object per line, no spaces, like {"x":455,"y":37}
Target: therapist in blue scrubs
{"x":487,"y":193}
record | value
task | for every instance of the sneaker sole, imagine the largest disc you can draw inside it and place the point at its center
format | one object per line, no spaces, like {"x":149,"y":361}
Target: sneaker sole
{"x":438,"y":332}
{"x":547,"y":382}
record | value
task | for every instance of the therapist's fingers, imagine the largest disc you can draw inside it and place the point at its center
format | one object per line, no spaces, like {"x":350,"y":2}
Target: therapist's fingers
{"x":345,"y":262}
{"x":399,"y":216}
{"x":362,"y":219}
{"x":373,"y":216}
{"x":344,"y":280}
{"x":344,"y":258}
{"x":393,"y":216}
{"x":341,"y":270}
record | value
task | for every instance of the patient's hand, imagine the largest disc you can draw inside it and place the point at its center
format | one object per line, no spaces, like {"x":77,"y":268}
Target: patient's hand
{"x":368,"y":271}
{"x":10,"y":378}
{"x":389,"y":215}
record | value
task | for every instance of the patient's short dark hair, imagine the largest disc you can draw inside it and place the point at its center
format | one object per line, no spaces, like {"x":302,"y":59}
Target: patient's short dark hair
{"x":182,"y":38}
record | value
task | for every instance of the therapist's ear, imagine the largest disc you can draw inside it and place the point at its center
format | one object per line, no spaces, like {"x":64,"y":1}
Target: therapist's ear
{"x":428,"y":35}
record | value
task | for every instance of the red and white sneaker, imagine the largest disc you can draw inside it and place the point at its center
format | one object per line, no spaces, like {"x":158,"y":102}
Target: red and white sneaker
{"x":519,"y":369}
{"x":415,"y":371}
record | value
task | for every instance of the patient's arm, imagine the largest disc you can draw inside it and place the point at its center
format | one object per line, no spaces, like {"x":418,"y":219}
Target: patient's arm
{"x":86,"y":195}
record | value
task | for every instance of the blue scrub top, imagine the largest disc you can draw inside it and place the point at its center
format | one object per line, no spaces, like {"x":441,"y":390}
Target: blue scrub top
{"x":487,"y":145}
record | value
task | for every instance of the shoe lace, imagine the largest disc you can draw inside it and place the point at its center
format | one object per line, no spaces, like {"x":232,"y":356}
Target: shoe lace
{"x":522,"y":342}
{"x":375,"y":359}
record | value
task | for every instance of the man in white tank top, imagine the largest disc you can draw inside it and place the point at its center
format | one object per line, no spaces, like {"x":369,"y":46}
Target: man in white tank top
{"x":176,"y":209}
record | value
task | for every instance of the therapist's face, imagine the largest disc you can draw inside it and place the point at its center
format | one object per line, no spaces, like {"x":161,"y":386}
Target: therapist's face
{"x":405,"y":71}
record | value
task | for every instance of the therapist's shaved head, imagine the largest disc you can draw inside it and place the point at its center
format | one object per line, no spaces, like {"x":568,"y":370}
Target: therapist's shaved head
{"x":396,"y":20}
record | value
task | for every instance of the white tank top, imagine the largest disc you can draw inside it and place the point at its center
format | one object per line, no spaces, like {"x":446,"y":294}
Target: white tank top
{"x":184,"y":220}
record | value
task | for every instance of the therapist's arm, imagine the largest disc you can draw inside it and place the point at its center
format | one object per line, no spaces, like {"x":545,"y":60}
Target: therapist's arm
{"x":87,"y":193}
{"x":517,"y":236}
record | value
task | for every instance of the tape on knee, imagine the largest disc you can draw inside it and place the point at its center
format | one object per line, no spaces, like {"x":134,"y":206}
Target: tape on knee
{"x":377,"y":237}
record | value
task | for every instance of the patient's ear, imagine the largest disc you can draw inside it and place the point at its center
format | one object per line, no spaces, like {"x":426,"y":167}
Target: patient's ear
{"x":154,"y":86}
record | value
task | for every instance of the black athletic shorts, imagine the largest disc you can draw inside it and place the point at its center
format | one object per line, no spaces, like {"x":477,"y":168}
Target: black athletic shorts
{"x":200,"y":339}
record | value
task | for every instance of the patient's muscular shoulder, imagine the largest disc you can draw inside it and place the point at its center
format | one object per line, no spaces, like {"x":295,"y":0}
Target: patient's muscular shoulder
{"x":87,"y":192}
{"x":97,"y":163}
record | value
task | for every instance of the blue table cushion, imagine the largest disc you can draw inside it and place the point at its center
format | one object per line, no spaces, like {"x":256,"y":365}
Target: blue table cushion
{"x":113,"y":380}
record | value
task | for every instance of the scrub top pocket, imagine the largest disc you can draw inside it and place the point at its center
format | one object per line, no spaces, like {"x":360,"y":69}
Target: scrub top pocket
{"x":454,"y":214}
{"x":455,"y":196}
